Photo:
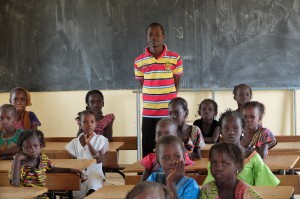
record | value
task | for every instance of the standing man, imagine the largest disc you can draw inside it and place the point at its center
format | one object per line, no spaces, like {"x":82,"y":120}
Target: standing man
{"x":159,"y":71}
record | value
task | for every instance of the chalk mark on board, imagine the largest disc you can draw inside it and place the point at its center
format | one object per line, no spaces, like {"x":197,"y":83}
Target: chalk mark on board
{"x":179,"y":31}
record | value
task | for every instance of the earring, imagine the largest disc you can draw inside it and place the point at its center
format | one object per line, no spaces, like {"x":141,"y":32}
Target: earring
{"x":237,"y":171}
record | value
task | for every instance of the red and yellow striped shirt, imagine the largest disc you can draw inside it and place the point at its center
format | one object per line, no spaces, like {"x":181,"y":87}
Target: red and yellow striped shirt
{"x":158,"y":75}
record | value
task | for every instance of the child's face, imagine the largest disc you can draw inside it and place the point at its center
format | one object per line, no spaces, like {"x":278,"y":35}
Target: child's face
{"x":95,"y":102}
{"x":242,"y":95}
{"x":223,"y":169}
{"x":207,"y":111}
{"x":169,"y":154}
{"x":155,"y":36}
{"x":231,"y":129}
{"x":177,"y":113}
{"x":88,"y":123}
{"x":165,"y":129}
{"x":252,"y":117}
{"x":18,"y":99}
{"x":7,"y":119}
{"x":31,"y":147}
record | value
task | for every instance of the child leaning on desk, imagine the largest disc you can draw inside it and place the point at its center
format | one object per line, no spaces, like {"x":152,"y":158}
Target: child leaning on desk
{"x":89,"y":145}
{"x":29,"y":166}
{"x":164,"y":127}
{"x":170,"y":154}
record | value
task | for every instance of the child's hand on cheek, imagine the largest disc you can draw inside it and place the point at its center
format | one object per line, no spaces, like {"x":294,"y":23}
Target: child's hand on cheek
{"x":175,"y":176}
{"x":19,"y":156}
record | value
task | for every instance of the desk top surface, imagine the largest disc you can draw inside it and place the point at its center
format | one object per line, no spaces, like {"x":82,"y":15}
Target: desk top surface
{"x":280,"y":146}
{"x":21,"y":192}
{"x":273,"y":162}
{"x":64,"y":163}
{"x":281,"y":162}
{"x":120,"y":191}
{"x":60,"y":146}
{"x":199,"y":165}
{"x":287,"y":146}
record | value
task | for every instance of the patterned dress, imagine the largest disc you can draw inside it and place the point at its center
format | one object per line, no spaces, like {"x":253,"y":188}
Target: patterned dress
{"x":7,"y":144}
{"x":242,"y":191}
{"x":103,"y":123}
{"x":262,"y":136}
{"x":196,"y":140}
{"x":34,"y":177}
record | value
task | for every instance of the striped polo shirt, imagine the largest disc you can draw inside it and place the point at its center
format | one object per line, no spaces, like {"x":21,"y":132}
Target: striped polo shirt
{"x":158,"y":75}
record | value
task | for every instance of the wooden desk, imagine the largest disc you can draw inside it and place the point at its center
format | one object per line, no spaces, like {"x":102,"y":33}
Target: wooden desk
{"x":282,"y":148}
{"x":21,"y":192}
{"x":199,"y":165}
{"x":281,"y":162}
{"x":54,"y":181}
{"x":277,"y":192}
{"x":205,"y":150}
{"x":56,"y":150}
{"x":64,"y":163}
{"x":111,"y":192}
{"x":286,"y":148}
{"x":120,"y":191}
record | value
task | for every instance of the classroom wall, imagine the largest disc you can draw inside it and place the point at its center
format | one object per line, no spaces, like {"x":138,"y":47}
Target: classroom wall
{"x":57,"y":110}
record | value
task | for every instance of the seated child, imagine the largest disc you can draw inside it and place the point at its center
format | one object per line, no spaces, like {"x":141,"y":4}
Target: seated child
{"x":9,"y":135}
{"x":20,"y":98}
{"x":226,"y":163}
{"x":242,"y":93}
{"x":148,"y":190}
{"x":208,"y":109}
{"x":170,"y":154}
{"x":89,"y":145}
{"x":255,"y":172}
{"x":256,"y":137}
{"x":30,"y":166}
{"x":190,"y":134}
{"x":164,"y":127}
{"x":94,"y":100}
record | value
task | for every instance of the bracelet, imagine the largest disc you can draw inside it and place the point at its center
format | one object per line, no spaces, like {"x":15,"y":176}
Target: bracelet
{"x":96,"y":156}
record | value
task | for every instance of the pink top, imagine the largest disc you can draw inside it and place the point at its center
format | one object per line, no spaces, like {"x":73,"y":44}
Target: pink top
{"x":150,"y":162}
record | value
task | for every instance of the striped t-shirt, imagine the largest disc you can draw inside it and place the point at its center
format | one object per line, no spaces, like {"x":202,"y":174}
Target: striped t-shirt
{"x":158,"y":75}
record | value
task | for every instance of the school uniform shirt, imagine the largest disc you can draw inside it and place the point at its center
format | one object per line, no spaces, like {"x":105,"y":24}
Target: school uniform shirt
{"x":158,"y":75}
{"x":94,"y":172}
{"x":187,"y":188}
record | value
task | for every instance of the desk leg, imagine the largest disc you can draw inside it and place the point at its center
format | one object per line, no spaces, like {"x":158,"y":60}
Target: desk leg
{"x":52,"y":194}
{"x":70,"y":194}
